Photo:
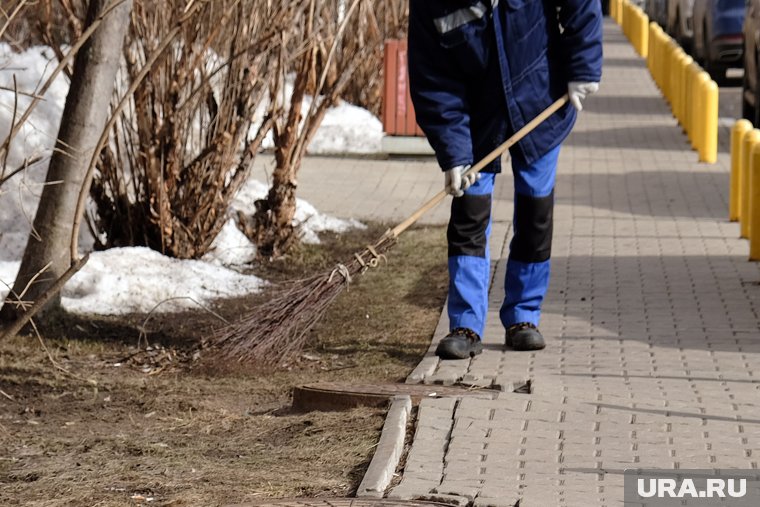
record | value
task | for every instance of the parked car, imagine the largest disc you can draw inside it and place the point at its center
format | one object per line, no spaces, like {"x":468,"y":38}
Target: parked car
{"x":718,"y":39}
{"x":751,"y":86}
{"x":680,"y":22}
{"x":657,"y":10}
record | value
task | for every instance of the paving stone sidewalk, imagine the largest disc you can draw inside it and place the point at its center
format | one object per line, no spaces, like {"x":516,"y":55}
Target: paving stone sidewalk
{"x":651,"y":320}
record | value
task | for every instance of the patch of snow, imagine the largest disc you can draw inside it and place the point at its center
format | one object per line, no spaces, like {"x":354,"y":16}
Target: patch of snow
{"x":348,"y":129}
{"x":311,"y":221}
{"x":8,"y":272}
{"x":231,"y":247}
{"x":31,"y":68}
{"x":19,"y":196}
{"x":136,"y":279}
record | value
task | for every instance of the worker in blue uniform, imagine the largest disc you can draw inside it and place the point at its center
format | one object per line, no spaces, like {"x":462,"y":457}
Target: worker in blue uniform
{"x":479,"y":71}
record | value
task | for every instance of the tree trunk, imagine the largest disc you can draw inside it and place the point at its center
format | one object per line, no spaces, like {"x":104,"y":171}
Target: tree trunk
{"x":83,"y":121}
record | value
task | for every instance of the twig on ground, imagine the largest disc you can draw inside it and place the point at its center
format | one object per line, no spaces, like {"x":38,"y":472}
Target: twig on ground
{"x":7,"y":395}
{"x":55,"y":363}
{"x":143,"y":328}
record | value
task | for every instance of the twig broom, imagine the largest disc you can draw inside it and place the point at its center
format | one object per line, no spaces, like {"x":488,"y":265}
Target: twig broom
{"x":275,"y":332}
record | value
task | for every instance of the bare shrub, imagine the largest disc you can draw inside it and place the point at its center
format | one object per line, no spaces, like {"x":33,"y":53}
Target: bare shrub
{"x":385,"y":20}
{"x":185,"y":144}
{"x":323,"y":69}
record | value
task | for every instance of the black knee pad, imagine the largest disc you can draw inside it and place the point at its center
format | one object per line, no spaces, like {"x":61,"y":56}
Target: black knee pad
{"x":468,"y":225}
{"x":533,"y":228}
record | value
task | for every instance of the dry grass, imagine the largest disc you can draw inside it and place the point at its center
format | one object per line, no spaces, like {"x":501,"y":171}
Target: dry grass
{"x":220,"y":432}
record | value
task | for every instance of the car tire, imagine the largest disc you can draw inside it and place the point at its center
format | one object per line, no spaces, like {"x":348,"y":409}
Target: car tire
{"x":677,"y":28}
{"x":748,"y":112}
{"x":717,"y":71}
{"x":755,"y":118}
{"x":678,"y":34}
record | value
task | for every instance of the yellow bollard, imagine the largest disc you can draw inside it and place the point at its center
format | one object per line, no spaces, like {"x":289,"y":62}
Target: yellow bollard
{"x":662,"y":62}
{"x":700,"y":84}
{"x":635,"y":30}
{"x":635,"y":27}
{"x":619,"y":12}
{"x":629,"y":14}
{"x":652,"y":56}
{"x":754,"y":204}
{"x":738,"y":132}
{"x":677,"y":84}
{"x":748,"y":143}
{"x":623,"y":17}
{"x":644,"y":30}
{"x":709,"y":144}
{"x":673,"y":71}
{"x":691,"y":102}
{"x":696,"y":106}
{"x":668,"y":70}
{"x":683,"y":91}
{"x":650,"y":37}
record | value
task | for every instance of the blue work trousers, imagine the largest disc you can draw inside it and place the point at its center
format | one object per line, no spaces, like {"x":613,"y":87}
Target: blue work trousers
{"x":528,"y":266}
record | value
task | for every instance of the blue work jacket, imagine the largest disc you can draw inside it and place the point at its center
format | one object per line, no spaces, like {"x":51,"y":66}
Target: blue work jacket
{"x":479,"y":70}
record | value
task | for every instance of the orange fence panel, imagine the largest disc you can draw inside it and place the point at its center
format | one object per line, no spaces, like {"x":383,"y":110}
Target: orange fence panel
{"x":398,"y":112}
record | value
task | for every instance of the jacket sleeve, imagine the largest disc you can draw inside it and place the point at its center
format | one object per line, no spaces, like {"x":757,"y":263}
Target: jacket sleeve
{"x":438,"y":92}
{"x":581,"y":21}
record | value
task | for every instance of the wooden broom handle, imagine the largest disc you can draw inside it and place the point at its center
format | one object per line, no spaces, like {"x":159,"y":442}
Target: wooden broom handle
{"x":403,"y":226}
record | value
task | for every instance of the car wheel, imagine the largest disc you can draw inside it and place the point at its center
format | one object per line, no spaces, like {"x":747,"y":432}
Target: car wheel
{"x":679,"y":36}
{"x":717,"y":71}
{"x":755,"y":118}
{"x":748,"y":112}
{"x":677,"y":28}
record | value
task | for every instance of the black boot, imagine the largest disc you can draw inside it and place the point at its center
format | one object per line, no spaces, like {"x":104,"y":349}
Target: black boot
{"x":524,"y":336}
{"x":460,"y":343}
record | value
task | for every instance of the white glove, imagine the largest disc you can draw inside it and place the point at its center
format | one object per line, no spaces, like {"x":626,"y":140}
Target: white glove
{"x":579,"y":90}
{"x":456,"y":184}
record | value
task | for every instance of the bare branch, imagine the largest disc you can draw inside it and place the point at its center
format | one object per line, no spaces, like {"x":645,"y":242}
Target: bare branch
{"x":54,"y":289}
{"x":23,"y":167}
{"x":20,"y":7}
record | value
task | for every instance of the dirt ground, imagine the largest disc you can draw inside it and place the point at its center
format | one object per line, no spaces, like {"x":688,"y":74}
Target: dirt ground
{"x":119,"y":428}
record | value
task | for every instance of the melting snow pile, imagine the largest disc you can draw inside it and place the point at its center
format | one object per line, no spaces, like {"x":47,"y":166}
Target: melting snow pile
{"x":124,"y":280}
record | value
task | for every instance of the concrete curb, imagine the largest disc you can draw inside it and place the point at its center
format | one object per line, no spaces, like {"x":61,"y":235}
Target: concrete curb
{"x":429,"y":364}
{"x":389,"y":450}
